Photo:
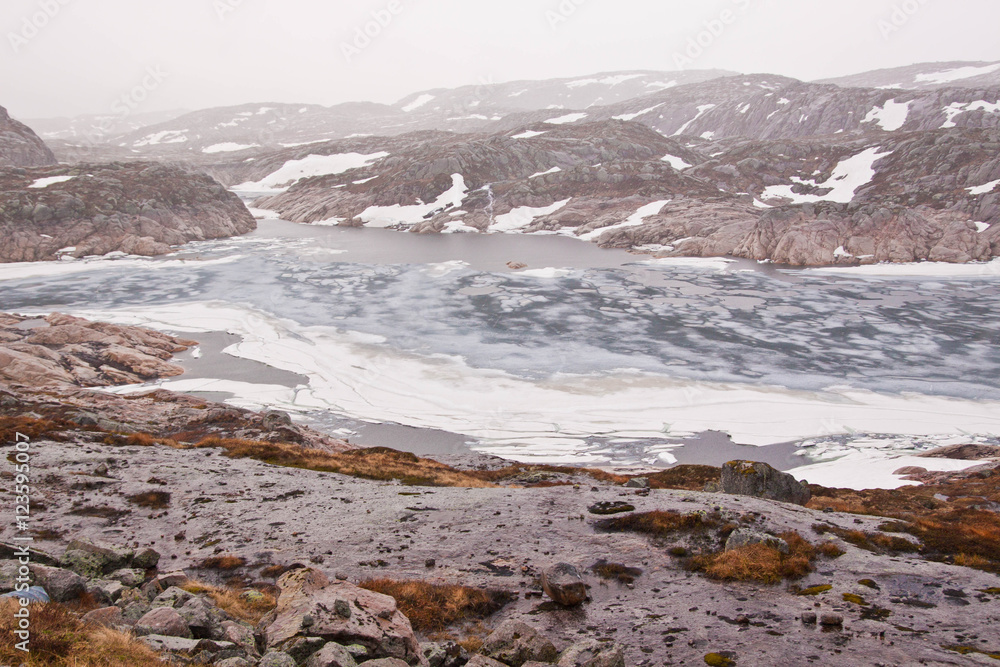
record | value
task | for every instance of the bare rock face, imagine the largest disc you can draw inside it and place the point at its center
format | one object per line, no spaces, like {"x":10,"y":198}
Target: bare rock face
{"x":165,"y":621}
{"x":61,"y":349}
{"x":749,"y":478}
{"x":515,"y":643}
{"x":20,"y":146}
{"x":308,"y":606}
{"x":592,"y":653}
{"x":563,"y":583}
{"x":136,"y":208}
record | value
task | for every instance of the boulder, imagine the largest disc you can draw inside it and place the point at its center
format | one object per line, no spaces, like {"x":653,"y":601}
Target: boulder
{"x":172,"y":597}
{"x":743,"y":537}
{"x":107,"y":558}
{"x":515,"y":643}
{"x":233,"y":662}
{"x":564,"y":584}
{"x":444,"y":654}
{"x":201,"y":616}
{"x":637,"y":483}
{"x":749,"y":478}
{"x":107,"y":617}
{"x":483,"y":661}
{"x":276,"y":659}
{"x":302,"y":648}
{"x":386,"y":662}
{"x":170,"y":644}
{"x":307,"y":607}
{"x":106,"y":590}
{"x":130,"y":577}
{"x":164,"y":621}
{"x":61,"y":585}
{"x":332,"y":655}
{"x":239,"y":634}
{"x":592,"y":653}
{"x":146,"y":559}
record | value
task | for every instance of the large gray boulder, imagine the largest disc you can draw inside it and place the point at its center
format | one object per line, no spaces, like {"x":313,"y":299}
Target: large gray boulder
{"x":750,"y":478}
{"x":564,"y":584}
{"x":515,"y":643}
{"x":164,"y":621}
{"x":310,"y":605}
{"x":744,"y":538}
{"x":332,"y":655}
{"x":592,"y":653}
{"x":61,"y":585}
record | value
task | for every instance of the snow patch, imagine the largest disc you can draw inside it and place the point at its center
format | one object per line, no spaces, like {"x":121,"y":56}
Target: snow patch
{"x":701,"y":112}
{"x":568,"y":118}
{"x":553,"y":170}
{"x":848,"y":177}
{"x":417,"y":103}
{"x":633,"y":116}
{"x":228,"y":147}
{"x":527,"y":135}
{"x":51,"y":180}
{"x":957,"y":74}
{"x":522,"y":216}
{"x":677,"y":163}
{"x":310,"y":167}
{"x":891,"y":116}
{"x":385,"y":216}
{"x":633,"y":220}
{"x":165,"y":137}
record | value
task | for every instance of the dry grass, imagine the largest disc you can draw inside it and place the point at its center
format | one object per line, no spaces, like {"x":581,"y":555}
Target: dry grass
{"x":660,"y":523}
{"x":34,"y":429}
{"x":60,"y":639}
{"x":503,"y":475}
{"x":223,"y":563}
{"x":434,"y":607}
{"x":377,"y":463}
{"x":233,"y":602}
{"x":759,"y":562}
{"x":616,"y":571}
{"x":155,"y":500}
{"x":875,"y":542}
{"x":685,"y":477}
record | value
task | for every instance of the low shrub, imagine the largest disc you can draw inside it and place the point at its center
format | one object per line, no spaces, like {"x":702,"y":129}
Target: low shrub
{"x":434,"y":607}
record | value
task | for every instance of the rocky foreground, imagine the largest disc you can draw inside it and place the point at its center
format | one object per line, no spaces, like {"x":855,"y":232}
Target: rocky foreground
{"x":136,"y":209}
{"x":220,"y":536}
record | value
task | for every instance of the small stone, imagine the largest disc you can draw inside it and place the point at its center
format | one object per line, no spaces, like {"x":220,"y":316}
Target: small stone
{"x":430,"y":562}
{"x":831,"y":620}
{"x":342,"y":608}
{"x":276,"y":659}
{"x":809,"y":618}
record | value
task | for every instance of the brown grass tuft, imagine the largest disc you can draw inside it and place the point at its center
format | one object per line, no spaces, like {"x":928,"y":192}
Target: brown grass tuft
{"x":155,"y":500}
{"x":759,"y":562}
{"x":234,"y":602}
{"x":377,"y":463}
{"x":659,"y":523}
{"x":434,"y":607}
{"x":616,"y":571}
{"x":225,"y":563}
{"x":60,"y":639}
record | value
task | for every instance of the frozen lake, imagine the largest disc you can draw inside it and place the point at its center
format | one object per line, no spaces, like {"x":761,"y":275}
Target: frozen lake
{"x":588,"y":356}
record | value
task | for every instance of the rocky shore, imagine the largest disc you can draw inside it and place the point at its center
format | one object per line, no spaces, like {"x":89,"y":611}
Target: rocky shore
{"x":136,"y":209}
{"x":212,"y":535}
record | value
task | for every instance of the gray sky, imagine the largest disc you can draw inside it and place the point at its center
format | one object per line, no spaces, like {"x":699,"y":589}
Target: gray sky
{"x":218,"y":52}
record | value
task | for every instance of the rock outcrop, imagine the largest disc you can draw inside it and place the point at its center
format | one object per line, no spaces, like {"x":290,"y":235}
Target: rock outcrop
{"x":20,"y":146}
{"x":310,"y":605}
{"x":750,"y":478}
{"x":136,"y":209}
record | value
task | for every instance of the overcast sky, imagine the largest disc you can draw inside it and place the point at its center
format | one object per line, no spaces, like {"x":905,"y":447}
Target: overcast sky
{"x":220,"y":52}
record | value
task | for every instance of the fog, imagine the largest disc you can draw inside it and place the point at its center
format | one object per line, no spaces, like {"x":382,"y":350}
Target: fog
{"x":67,"y":57}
